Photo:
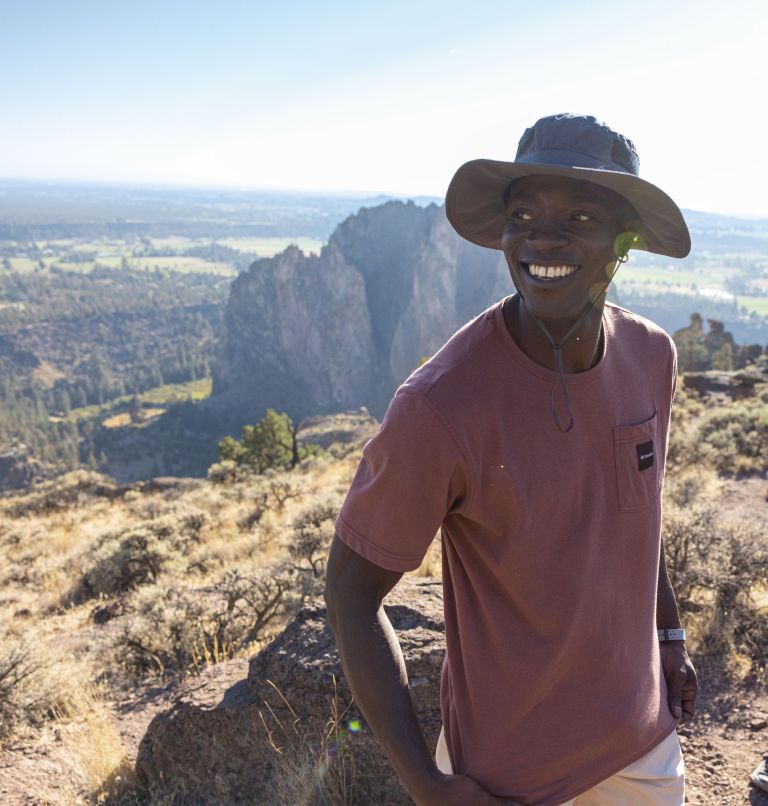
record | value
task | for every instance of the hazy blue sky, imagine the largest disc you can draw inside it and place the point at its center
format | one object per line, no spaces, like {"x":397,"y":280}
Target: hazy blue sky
{"x":386,"y":97}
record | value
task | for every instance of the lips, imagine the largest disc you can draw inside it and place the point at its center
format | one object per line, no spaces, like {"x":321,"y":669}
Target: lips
{"x":550,"y":271}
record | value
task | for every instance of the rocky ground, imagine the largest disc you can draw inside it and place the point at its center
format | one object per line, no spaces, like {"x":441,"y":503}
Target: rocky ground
{"x":725,"y":743}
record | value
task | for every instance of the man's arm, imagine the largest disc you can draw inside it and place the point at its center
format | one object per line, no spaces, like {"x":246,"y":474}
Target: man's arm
{"x":375,"y":670}
{"x":682,"y":683}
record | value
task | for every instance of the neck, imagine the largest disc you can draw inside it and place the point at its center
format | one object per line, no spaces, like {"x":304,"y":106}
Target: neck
{"x":582,"y":349}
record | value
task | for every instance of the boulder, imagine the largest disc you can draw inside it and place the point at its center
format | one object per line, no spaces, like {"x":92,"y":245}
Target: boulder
{"x":290,"y":732}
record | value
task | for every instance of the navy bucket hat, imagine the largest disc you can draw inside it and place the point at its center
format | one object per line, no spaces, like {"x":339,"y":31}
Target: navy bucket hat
{"x":574,"y":146}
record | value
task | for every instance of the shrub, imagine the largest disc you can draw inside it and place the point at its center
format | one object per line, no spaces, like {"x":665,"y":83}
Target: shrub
{"x":281,"y":490}
{"x":714,"y":564}
{"x":691,"y":534}
{"x":734,"y":438}
{"x":310,"y":541}
{"x":229,"y":472}
{"x":16,"y":668}
{"x":175,"y":631}
{"x":33,"y":688}
{"x":738,"y":564}
{"x":124,"y":560}
{"x":71,"y":490}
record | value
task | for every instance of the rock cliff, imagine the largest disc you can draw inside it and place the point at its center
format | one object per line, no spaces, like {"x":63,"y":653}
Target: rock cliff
{"x":340,"y":330}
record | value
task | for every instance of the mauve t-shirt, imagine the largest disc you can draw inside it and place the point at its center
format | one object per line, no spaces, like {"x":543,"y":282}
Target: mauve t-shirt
{"x":552,"y":680}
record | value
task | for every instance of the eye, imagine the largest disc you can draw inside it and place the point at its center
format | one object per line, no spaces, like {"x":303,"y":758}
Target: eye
{"x":522,"y":215}
{"x":580,"y":216}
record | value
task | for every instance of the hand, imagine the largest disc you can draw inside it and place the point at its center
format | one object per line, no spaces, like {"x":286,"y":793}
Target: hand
{"x":460,"y":790}
{"x":682,"y":682}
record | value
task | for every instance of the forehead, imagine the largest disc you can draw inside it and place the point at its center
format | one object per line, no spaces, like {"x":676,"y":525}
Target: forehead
{"x":561,"y":189}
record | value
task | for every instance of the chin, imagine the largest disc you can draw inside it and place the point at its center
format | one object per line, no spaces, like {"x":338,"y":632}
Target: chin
{"x":552,"y":309}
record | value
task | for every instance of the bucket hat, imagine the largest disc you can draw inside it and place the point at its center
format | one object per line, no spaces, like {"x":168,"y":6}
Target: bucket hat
{"x":574,"y":146}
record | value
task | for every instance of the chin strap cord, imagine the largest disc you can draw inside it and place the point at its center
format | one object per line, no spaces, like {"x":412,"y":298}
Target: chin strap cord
{"x":558,"y":347}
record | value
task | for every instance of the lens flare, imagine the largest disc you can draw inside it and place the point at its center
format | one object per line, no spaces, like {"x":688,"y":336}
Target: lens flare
{"x":628,"y":240}
{"x":335,"y":747}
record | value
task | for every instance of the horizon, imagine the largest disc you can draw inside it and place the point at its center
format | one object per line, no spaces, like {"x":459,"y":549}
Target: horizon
{"x":345,"y":194}
{"x":343,"y":98}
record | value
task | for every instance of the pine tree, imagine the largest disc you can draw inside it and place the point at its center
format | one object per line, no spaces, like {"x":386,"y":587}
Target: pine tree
{"x":272,"y":442}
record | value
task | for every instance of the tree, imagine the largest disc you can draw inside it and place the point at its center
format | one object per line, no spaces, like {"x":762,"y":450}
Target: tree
{"x":723,"y":358}
{"x":63,"y":402}
{"x":272,"y":442}
{"x":134,"y":410}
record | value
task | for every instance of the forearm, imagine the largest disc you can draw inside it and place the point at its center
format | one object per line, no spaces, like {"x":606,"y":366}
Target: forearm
{"x":667,"y":614}
{"x":682,"y":683}
{"x":375,"y":670}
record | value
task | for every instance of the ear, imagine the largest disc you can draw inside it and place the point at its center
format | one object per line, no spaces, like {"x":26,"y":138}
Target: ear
{"x":626,"y":240}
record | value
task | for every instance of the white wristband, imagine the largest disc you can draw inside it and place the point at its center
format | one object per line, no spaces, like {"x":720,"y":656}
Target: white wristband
{"x":675,"y":634}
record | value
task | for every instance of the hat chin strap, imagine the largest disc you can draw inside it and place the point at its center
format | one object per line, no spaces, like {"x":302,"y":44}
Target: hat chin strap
{"x":558,"y":347}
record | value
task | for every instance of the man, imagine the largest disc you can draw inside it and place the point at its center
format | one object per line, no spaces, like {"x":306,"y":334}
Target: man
{"x":535,"y":440}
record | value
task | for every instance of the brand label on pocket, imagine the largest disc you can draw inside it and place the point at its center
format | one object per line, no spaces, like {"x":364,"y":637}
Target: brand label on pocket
{"x":644,"y":455}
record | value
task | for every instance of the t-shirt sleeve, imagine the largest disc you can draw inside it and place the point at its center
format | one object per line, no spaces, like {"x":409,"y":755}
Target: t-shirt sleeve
{"x":674,"y":371}
{"x":411,"y":475}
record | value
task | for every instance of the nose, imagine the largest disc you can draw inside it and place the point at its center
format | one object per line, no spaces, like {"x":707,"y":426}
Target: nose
{"x":547,"y":234}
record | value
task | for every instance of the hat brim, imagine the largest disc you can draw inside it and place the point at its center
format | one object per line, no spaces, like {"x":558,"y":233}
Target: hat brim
{"x":474,"y":203}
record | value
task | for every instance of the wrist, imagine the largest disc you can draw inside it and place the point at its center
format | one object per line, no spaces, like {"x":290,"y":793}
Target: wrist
{"x":669,"y":634}
{"x":423,"y":787}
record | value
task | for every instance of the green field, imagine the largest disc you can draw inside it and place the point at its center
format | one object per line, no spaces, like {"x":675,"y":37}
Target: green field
{"x":175,"y":243}
{"x":159,"y":396}
{"x":267,"y":247}
{"x":22,"y":264}
{"x":756,"y":304}
{"x":63,"y":253}
{"x":692,"y":281}
{"x":179,"y":263}
{"x":675,"y":276}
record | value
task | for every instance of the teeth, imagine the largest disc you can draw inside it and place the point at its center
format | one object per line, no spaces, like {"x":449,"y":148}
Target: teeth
{"x":551,"y":272}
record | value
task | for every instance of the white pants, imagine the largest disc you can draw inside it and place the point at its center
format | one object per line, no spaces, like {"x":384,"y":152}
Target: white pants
{"x":656,"y":779}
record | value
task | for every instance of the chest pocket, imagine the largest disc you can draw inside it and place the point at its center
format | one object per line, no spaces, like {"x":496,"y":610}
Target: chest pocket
{"x":638,"y":464}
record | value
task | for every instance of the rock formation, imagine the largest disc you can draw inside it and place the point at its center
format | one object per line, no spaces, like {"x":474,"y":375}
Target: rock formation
{"x":733,"y":385}
{"x":314,"y":334}
{"x":289,"y":732}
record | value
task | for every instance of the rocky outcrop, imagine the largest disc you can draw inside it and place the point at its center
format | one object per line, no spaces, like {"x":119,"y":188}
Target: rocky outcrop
{"x":289,"y":732}
{"x":734,"y":385}
{"x":340,"y":330}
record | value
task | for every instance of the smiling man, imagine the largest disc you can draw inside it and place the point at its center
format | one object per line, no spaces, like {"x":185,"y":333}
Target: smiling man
{"x":535,"y":440}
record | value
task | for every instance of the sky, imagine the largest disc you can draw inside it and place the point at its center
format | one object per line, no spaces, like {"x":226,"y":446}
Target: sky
{"x":379,"y":97}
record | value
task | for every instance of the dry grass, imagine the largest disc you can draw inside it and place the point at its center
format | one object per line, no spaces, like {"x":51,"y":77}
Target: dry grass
{"x":314,"y":771}
{"x":254,"y":528}
{"x":55,"y":535}
{"x":92,"y":744}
